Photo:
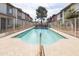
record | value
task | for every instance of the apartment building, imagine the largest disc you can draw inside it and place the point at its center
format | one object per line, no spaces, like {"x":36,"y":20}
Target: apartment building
{"x":70,"y":16}
{"x":7,"y":16}
{"x":12,"y":17}
{"x":68,"y":19}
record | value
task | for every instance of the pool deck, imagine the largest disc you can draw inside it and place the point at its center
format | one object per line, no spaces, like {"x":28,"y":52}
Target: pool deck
{"x":66,"y":47}
{"x":12,"y":46}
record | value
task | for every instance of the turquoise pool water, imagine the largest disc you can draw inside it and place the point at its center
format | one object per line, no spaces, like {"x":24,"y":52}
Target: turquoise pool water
{"x":33,"y":36}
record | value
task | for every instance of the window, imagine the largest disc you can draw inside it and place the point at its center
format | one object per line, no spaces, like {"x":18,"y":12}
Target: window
{"x":10,"y":10}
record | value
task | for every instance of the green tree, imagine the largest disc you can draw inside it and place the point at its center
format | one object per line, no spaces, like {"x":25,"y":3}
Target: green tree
{"x":41,"y":12}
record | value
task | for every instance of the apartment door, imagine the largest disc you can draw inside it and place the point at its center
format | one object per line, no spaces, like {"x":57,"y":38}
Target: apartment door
{"x":77,"y":24}
{"x":3,"y":24}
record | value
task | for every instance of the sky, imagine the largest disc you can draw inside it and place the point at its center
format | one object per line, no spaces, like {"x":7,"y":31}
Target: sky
{"x":30,"y":8}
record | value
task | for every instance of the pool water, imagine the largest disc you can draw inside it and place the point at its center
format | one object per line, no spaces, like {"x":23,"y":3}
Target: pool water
{"x":33,"y":36}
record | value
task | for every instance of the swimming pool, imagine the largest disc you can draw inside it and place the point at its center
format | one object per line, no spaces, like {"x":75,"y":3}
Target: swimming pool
{"x":33,"y":36}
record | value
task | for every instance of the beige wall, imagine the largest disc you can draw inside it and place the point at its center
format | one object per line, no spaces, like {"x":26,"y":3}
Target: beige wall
{"x":58,"y":16}
{"x":23,"y":16}
{"x":0,"y":24}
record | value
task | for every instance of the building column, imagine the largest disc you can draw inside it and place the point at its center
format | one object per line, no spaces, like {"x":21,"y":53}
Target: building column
{"x":75,"y":26}
{"x":78,"y":24}
{"x":63,"y":17}
{"x":6,"y":24}
{"x":14,"y":24}
{"x":0,"y":23}
{"x":72,"y":27}
{"x":22,"y":23}
{"x":16,"y":18}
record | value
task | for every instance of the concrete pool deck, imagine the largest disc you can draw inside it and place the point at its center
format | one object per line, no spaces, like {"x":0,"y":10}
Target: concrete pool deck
{"x":12,"y":46}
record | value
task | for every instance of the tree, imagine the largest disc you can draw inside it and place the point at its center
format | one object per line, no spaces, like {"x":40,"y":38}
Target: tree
{"x":41,"y":12}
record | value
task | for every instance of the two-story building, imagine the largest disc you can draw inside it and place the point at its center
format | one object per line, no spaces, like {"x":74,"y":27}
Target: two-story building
{"x":68,"y":18}
{"x":12,"y":17}
{"x":7,"y":16}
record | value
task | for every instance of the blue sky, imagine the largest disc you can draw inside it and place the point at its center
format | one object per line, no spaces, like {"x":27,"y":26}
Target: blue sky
{"x":30,"y":8}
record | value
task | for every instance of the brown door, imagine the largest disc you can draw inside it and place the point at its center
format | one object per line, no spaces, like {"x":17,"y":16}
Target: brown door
{"x":77,"y":24}
{"x":3,"y":24}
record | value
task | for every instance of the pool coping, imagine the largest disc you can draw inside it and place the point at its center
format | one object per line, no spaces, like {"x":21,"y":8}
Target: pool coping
{"x":14,"y":34}
{"x":67,"y":36}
